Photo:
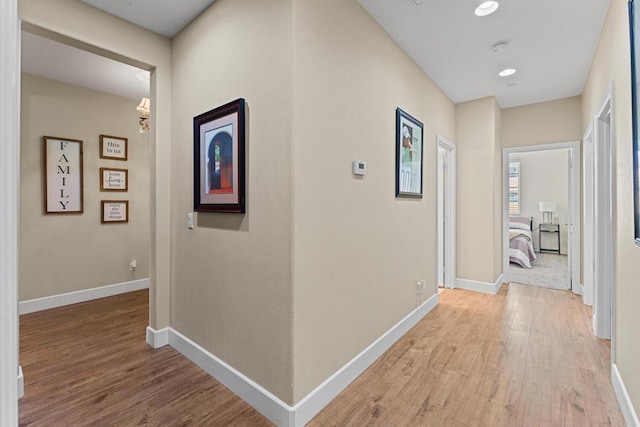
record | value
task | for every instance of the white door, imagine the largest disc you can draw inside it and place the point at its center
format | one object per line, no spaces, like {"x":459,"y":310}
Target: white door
{"x":603,"y":220}
{"x":445,"y":181}
{"x":588,"y":230}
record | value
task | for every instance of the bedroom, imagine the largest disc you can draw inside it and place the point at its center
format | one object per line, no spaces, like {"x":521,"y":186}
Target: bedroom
{"x":539,"y":217}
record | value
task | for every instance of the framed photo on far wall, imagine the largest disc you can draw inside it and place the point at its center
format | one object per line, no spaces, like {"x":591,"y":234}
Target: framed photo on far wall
{"x":634,"y":26}
{"x":219,"y":159}
{"x":409,"y":160}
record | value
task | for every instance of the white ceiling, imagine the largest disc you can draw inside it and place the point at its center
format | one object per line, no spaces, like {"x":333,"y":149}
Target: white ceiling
{"x":53,"y":60}
{"x":165,"y":17}
{"x":551,"y":44}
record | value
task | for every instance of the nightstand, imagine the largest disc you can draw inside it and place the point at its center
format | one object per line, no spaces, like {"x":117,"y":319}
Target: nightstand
{"x":549,"y":228}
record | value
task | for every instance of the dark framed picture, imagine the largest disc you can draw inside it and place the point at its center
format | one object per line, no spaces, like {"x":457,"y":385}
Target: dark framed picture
{"x":113,"y":147}
{"x":113,"y":179}
{"x":409,"y":161}
{"x":219,"y":159}
{"x":634,"y":25}
{"x":114,"y":211}
{"x":63,"y":176}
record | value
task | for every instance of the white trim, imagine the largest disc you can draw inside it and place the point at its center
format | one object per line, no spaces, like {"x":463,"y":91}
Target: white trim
{"x":313,"y":403}
{"x":9,"y":218}
{"x":157,"y":339}
{"x":54,"y":301}
{"x":20,"y":383}
{"x":448,"y":234}
{"x":483,"y":287}
{"x":587,"y":212}
{"x":628,"y":411}
{"x":271,"y":406}
{"x":251,"y":392}
{"x":603,"y":220}
{"x":574,"y":203}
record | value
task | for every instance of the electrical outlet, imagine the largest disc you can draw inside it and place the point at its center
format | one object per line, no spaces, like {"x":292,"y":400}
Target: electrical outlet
{"x":418,"y":286}
{"x":190,"y":220}
{"x":133,"y":265}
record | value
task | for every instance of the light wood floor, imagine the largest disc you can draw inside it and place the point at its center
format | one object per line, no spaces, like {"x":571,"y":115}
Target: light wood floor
{"x":525,"y":357}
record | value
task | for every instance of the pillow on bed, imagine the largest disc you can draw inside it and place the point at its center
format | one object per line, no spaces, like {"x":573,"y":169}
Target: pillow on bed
{"x":519,"y":226}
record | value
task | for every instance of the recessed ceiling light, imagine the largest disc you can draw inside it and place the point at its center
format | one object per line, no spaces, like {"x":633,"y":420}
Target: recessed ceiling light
{"x":487,"y":8}
{"x":507,"y":72}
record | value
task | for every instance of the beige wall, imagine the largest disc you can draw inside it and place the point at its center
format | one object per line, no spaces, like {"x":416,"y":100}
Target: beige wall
{"x":84,"y":26}
{"x":611,"y":63}
{"x":479,"y":246}
{"x":65,"y":253}
{"x":544,"y":175}
{"x":231,"y":285}
{"x":358,"y":250}
{"x":543,"y":123}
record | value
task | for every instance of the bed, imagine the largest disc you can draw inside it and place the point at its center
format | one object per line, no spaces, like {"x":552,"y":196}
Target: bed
{"x":521,"y":241}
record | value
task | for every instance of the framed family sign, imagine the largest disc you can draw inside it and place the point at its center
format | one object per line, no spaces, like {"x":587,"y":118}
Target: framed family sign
{"x":409,"y":144}
{"x":63,"y":191}
{"x":113,"y":147}
{"x":219,"y":159}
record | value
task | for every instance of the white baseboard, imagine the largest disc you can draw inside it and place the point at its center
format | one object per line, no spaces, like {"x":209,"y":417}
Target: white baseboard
{"x":483,"y":287}
{"x":313,"y":403}
{"x":39,"y":304}
{"x":251,"y":392}
{"x":628,"y":411}
{"x":157,"y":339}
{"x":271,"y":406}
{"x":20,"y":383}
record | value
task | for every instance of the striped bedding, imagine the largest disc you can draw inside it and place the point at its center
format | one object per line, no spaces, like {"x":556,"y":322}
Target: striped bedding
{"x":521,"y":242}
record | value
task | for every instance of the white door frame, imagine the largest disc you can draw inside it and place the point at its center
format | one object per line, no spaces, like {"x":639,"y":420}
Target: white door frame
{"x":9,"y":191}
{"x":574,"y":204}
{"x":446,"y":225}
{"x":603,"y":303}
{"x":587,"y":211}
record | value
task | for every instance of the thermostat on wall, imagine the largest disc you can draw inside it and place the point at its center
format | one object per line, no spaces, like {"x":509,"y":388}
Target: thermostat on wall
{"x":359,"y":167}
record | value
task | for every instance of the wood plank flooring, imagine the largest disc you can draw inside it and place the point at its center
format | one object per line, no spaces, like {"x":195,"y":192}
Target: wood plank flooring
{"x":525,"y":357}
{"x":88,"y":365}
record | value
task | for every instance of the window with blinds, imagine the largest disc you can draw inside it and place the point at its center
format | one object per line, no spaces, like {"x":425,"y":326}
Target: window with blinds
{"x":514,"y":188}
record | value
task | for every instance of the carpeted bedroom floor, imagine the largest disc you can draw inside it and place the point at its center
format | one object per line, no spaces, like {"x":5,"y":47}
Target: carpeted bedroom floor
{"x":549,"y":271}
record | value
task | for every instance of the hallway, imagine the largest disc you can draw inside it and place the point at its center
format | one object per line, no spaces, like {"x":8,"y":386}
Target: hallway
{"x":523,"y":357}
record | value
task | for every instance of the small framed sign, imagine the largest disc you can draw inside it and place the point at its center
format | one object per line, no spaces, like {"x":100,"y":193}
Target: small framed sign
{"x":113,"y":147}
{"x":63,"y":192}
{"x":112,"y":179}
{"x":114,"y":211}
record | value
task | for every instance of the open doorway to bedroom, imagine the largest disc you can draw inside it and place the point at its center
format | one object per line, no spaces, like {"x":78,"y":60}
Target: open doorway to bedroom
{"x":541,"y":213}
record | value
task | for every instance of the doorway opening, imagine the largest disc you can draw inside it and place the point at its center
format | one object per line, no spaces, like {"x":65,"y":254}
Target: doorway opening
{"x":446,"y":213}
{"x":70,"y":93}
{"x":541,"y":215}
